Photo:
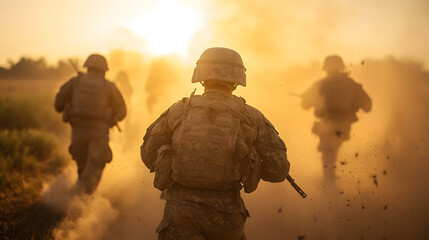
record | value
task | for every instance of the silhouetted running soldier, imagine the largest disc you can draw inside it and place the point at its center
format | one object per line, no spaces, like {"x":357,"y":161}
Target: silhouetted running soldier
{"x":92,"y":105}
{"x":336,"y":100}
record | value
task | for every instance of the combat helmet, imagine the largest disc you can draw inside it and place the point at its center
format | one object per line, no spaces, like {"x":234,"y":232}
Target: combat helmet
{"x":220,"y":64}
{"x":96,"y":61}
{"x":333,"y":63}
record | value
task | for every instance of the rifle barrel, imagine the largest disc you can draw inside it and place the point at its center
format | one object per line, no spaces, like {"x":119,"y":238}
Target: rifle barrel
{"x":297,"y":188}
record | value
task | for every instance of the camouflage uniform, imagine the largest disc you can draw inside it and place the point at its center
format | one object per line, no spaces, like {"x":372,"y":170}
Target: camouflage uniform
{"x":195,"y":213}
{"x":90,"y":137}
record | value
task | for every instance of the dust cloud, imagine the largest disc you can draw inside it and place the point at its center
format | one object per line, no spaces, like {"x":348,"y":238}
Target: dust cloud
{"x":162,"y":73}
{"x":382,"y":169}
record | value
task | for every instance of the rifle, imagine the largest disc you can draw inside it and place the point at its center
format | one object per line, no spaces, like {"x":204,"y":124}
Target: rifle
{"x":297,"y":188}
{"x":80,"y":73}
{"x":75,"y":67}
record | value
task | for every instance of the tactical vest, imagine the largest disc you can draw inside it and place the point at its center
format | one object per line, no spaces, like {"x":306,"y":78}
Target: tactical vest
{"x":90,"y":100}
{"x":205,"y":143}
{"x":337,"y":95}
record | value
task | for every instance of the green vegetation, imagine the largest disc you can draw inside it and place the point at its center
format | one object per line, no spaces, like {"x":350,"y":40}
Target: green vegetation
{"x":28,"y":68}
{"x":24,"y":112}
{"x":30,"y":154}
{"x":26,"y":152}
{"x":28,"y":146}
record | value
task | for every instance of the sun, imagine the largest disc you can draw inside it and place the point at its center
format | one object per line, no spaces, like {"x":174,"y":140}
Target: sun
{"x":167,"y":28}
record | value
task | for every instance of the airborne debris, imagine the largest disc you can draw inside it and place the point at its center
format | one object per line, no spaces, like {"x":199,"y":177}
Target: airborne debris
{"x":385,"y":207}
{"x":356,"y":154}
{"x":363,"y":207}
{"x":280,"y":209}
{"x":384,"y":171}
{"x":301,"y":237}
{"x":362,"y":63}
{"x":375,"y":180}
{"x":343,"y":162}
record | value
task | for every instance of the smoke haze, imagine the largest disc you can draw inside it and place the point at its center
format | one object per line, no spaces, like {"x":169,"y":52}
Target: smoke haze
{"x":382,"y":174}
{"x":382,"y":168}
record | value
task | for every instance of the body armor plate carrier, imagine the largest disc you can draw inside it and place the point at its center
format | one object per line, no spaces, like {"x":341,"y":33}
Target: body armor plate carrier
{"x":90,"y":99}
{"x":205,"y":143}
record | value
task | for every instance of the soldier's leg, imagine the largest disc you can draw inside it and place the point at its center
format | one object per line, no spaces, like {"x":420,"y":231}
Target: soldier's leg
{"x":180,"y":222}
{"x":79,"y":149}
{"x":224,"y":226}
{"x":99,"y":154}
{"x":328,"y":146}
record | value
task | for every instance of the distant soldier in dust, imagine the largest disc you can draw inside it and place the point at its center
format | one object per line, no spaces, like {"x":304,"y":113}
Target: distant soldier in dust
{"x":205,"y":148}
{"x":92,"y":105}
{"x":336,"y":100}
{"x":123,"y":81}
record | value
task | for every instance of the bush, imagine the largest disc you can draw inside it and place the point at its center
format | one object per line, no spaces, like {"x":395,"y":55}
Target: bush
{"x":26,"y":151}
{"x":25,"y":112}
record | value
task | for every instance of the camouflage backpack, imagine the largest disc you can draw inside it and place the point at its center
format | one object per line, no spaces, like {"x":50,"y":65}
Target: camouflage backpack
{"x":89,"y":99}
{"x":205,"y":143}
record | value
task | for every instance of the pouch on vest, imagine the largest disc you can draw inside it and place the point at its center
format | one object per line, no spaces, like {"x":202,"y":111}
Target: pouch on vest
{"x":204,"y":144}
{"x":90,"y":99}
{"x":162,"y":167}
{"x":253,"y":174}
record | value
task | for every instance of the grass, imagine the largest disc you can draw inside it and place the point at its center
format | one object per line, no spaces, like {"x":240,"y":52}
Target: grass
{"x":29,"y":112}
{"x":30,"y":154}
{"x":27,"y":152}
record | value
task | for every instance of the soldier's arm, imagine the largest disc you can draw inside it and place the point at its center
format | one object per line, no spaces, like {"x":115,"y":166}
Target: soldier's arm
{"x":272,"y":149}
{"x":364,"y":100}
{"x":118,"y":104}
{"x":308,"y":98}
{"x":160,"y":133}
{"x":64,"y":95}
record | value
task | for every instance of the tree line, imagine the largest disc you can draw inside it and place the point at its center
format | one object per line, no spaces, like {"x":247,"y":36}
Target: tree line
{"x":28,"y":68}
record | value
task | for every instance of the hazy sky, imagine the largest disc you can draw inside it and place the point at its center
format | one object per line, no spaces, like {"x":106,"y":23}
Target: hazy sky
{"x":293,"y":31}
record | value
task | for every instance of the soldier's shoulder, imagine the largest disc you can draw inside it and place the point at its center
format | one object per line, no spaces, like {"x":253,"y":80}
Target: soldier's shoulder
{"x":319,"y":82}
{"x":179,"y":106}
{"x":110,"y":83}
{"x":70,"y":82}
{"x":253,"y":113}
{"x":352,"y":81}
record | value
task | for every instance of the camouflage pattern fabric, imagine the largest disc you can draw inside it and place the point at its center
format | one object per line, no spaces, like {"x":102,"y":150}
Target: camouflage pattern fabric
{"x":205,"y":143}
{"x":256,"y":131}
{"x":225,"y":201}
{"x":186,"y":220}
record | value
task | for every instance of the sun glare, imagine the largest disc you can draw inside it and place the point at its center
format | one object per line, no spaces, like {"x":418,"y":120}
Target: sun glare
{"x":166,"y":28}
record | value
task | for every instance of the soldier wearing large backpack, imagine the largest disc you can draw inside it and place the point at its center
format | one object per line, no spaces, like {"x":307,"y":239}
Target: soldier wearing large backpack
{"x":206,"y":148}
{"x":92,"y":105}
{"x":336,"y":100}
